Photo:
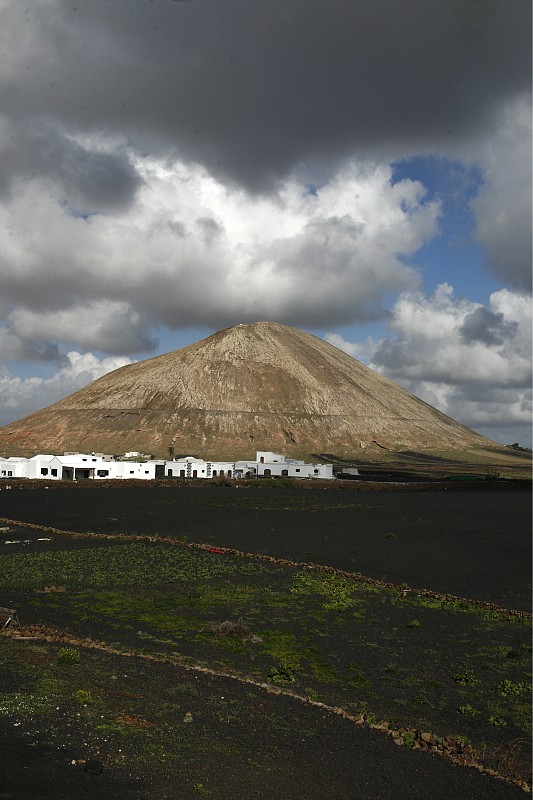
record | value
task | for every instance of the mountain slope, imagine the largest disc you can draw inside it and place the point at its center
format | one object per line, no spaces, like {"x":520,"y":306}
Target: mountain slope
{"x":257,"y":386}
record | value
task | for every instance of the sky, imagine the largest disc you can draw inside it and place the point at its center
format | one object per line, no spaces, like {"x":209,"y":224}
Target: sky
{"x":360,"y":169}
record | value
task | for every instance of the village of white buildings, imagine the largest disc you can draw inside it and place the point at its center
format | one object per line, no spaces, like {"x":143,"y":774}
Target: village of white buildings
{"x":134,"y":466}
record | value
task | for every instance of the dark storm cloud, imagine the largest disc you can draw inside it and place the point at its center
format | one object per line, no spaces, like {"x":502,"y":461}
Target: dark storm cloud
{"x":16,"y":348}
{"x":482,"y":325}
{"x":88,"y":179}
{"x":252,"y":89}
{"x":97,"y":180}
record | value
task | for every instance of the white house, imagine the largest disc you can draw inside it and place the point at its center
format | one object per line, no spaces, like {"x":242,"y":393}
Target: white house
{"x":291,"y":468}
{"x":263,"y":459}
{"x":96,"y":466}
{"x":276,"y":465}
{"x":39,"y":466}
{"x":79,"y":466}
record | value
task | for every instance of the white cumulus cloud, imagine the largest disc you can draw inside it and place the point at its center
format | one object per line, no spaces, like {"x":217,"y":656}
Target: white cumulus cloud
{"x":192,"y":251}
{"x":22,"y":396}
{"x":469,"y":360}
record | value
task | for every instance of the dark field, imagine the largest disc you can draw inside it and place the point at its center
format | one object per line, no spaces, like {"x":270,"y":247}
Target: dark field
{"x":183,"y":618}
{"x":472,"y":543}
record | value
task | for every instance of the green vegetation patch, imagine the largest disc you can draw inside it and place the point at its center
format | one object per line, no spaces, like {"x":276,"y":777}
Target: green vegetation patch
{"x":337,"y":593}
{"x":131,"y":564}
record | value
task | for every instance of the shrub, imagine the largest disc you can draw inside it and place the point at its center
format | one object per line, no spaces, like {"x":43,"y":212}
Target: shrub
{"x":83,"y":696}
{"x":468,"y":710}
{"x":69,"y":655}
{"x":466,"y":678}
{"x":507,"y":688}
{"x":282,"y":674}
{"x":497,"y":721}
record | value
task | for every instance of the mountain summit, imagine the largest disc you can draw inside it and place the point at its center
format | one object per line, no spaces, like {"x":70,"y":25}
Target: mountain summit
{"x":258,"y":386}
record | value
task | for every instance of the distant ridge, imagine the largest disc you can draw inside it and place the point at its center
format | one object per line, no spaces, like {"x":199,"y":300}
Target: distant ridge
{"x":257,"y":386}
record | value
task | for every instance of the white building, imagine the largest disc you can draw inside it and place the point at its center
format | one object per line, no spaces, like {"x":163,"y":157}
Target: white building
{"x":97,"y":466}
{"x":272,"y":465}
{"x":39,"y":466}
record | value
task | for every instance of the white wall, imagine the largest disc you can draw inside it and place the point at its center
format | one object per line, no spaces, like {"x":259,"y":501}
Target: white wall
{"x":197,"y":468}
{"x":140,"y":470}
{"x":295,"y":469}
{"x":267,"y":457}
{"x":188,"y":467}
{"x":13,"y":468}
{"x":37,"y":464}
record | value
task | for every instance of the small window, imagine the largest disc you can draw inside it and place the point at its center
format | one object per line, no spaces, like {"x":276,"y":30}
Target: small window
{"x":131,"y":472}
{"x":146,"y":472}
{"x":316,"y":472}
{"x":297,"y":470}
{"x":102,"y":473}
{"x":44,"y":471}
{"x":9,"y":473}
{"x":53,"y":472}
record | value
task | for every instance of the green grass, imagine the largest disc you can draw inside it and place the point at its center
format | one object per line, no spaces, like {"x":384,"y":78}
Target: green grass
{"x":337,"y":593}
{"x":131,"y":564}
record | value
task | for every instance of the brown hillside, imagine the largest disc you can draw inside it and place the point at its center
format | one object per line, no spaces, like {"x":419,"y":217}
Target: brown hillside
{"x":259,"y":386}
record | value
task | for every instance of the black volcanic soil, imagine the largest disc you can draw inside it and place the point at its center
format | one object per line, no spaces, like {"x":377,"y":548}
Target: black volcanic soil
{"x":473,"y":543}
{"x":241,"y":744}
{"x":244,"y":742}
